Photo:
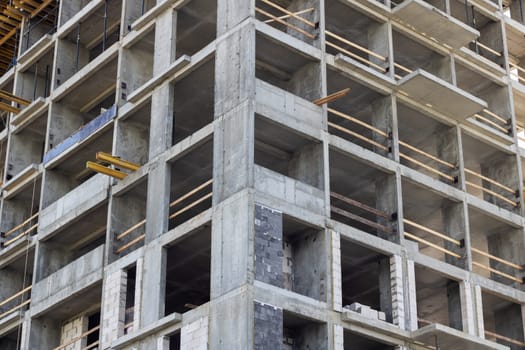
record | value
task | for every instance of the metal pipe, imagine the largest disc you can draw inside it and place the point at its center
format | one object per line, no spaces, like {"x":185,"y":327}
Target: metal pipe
{"x":521,"y":11}
{"x":35,"y":81}
{"x":105,"y":25}
{"x":143,"y":6}
{"x":78,"y":47}
{"x":466,"y":12}
{"x":46,"y":82}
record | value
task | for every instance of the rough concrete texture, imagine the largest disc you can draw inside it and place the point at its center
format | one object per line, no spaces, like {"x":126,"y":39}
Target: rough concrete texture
{"x":402,"y":199}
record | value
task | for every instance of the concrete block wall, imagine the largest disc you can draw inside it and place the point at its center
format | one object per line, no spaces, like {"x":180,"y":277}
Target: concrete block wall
{"x":71,"y":330}
{"x":113,"y":307}
{"x":255,"y":283}
{"x":194,"y":336}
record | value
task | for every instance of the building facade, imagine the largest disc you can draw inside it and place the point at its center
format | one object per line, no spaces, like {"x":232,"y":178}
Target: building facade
{"x":262,"y":174}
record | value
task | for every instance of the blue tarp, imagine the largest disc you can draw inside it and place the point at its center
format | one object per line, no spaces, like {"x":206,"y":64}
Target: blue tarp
{"x":80,"y":135}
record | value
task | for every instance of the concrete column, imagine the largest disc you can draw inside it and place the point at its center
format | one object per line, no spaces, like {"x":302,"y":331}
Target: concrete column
{"x":306,"y":82}
{"x":157,"y":207}
{"x":161,"y":128}
{"x":386,"y":287}
{"x":313,"y":16}
{"x":337,"y":285}
{"x":398,"y":292}
{"x":268,"y":326}
{"x":232,"y":322}
{"x":447,"y":150}
{"x":268,"y":246}
{"x":509,"y":323}
{"x":231,"y":13}
{"x":454,"y":226}
{"x":507,"y":245}
{"x":234,"y":105}
{"x":232,"y":260}
{"x":382,"y":119}
{"x":309,"y":265}
{"x":441,"y":67}
{"x":313,"y":336}
{"x":410,"y":297}
{"x":479,"y":325}
{"x":162,"y":98}
{"x":455,"y":319}
{"x":113,"y":307}
{"x":503,"y":169}
{"x":339,"y":337}
{"x":307,"y":165}
{"x":378,"y":42}
{"x":44,"y":334}
{"x":387,"y":201}
{"x":467,"y":297}
{"x":152,"y":302}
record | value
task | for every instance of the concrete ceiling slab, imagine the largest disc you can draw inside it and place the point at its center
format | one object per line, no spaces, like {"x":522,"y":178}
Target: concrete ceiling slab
{"x":427,"y":19}
{"x":452,"y":339}
{"x":440,"y":95}
{"x":515,"y":38}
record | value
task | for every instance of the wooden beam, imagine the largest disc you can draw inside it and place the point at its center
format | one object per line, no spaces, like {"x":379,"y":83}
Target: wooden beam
{"x":332,"y":97}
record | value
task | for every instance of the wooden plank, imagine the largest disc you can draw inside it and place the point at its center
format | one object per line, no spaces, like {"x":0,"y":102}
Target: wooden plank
{"x":432,"y":232}
{"x":491,"y":123}
{"x":288,"y":16}
{"x":354,"y":45}
{"x":507,"y":339}
{"x":355,"y":56}
{"x":23,"y":234}
{"x":428,"y":155}
{"x":430,"y":244}
{"x":131,"y":229}
{"x":12,"y":297}
{"x":290,"y":13}
{"x":429,"y":168}
{"x":488,"y":179}
{"x":15,"y":308}
{"x":19,"y":226}
{"x":188,"y":207}
{"x":190,"y":193}
{"x":360,"y":205}
{"x":497,"y":195}
{"x":496,"y":258}
{"x":503,"y":274}
{"x":267,"y":14}
{"x":74,"y":340}
{"x":357,"y":121}
{"x":360,"y":219}
{"x":356,"y":135}
{"x":130,"y":243}
{"x":332,"y":97}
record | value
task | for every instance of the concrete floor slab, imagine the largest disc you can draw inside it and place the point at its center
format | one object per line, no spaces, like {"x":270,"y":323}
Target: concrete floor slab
{"x":440,"y":95}
{"x":427,"y":19}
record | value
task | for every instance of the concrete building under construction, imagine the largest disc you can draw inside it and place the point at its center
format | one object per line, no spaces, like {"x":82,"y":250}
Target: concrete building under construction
{"x":262,"y":174}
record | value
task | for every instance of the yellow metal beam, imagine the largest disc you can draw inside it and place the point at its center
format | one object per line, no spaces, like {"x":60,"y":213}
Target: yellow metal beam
{"x":106,"y":171}
{"x":108,"y":158}
{"x":8,"y":108}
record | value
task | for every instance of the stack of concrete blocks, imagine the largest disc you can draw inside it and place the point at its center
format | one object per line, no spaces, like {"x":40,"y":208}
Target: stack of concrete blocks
{"x":366,"y":311}
{"x":113,"y":313}
{"x":72,"y":330}
{"x":194,"y":336}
